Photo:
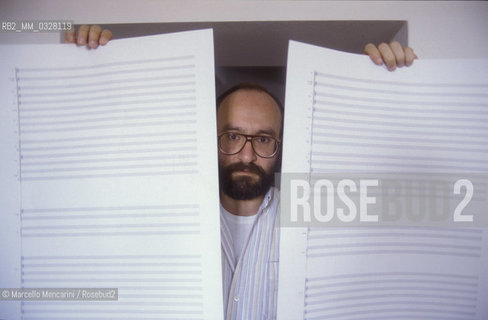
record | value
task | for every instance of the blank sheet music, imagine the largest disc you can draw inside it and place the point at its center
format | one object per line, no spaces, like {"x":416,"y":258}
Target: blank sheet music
{"x":345,"y":115}
{"x":110,"y":178}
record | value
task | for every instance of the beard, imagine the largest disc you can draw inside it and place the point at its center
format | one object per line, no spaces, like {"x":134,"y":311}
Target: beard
{"x":244,"y":187}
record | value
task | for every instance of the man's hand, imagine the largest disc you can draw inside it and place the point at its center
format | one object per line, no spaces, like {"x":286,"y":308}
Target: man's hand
{"x":393,"y":55}
{"x":91,"y":36}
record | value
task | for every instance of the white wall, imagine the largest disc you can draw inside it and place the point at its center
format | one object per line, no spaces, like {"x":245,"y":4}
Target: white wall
{"x":437,"y":29}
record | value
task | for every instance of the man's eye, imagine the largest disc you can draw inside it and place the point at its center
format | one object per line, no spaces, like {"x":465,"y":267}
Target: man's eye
{"x":232,"y":136}
{"x":264,"y":140}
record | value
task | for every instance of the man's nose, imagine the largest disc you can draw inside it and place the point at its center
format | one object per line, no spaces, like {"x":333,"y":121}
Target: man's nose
{"x":247,"y":153}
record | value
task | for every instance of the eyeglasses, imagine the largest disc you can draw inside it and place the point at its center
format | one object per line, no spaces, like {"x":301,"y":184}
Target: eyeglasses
{"x":232,"y":143}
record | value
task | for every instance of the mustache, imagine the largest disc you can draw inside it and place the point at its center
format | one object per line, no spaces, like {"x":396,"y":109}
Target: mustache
{"x":250,"y":167}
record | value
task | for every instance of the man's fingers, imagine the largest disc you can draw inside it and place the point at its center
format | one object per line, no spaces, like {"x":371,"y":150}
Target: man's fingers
{"x":410,"y":56}
{"x":105,"y":37}
{"x":373,"y":53}
{"x":397,"y":50}
{"x":388,"y":56}
{"x":82,"y":37}
{"x":94,"y":36}
{"x":69,"y":36}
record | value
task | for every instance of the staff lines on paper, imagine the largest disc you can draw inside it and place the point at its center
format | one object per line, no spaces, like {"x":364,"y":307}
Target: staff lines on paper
{"x":109,"y":96}
{"x":115,"y":143}
{"x":175,"y":164}
{"x":401,"y":147}
{"x":115,"y":175}
{"x":413,"y":142}
{"x":155,"y":314}
{"x":330,"y":117}
{"x":436,"y":296}
{"x":119,"y":310}
{"x":135,"y":317}
{"x":158,"y":288}
{"x":118,"y":303}
{"x":402,"y":83}
{"x":111,"y":234}
{"x":113,"y":126}
{"x":111,"y":265}
{"x":97,"y":307}
{"x":187,"y":277}
{"x":125,"y":156}
{"x":142,"y":108}
{"x":393,"y":300}
{"x":112,"y":136}
{"x":393,"y":157}
{"x":368,"y":275}
{"x":110,"y":216}
{"x":407,"y":144}
{"x":387,"y":244}
{"x":111,"y":225}
{"x":377,"y":247}
{"x":109,"y":272}
{"x":27,"y":164}
{"x":349,"y":305}
{"x":80,"y":89}
{"x":105,"y":279}
{"x":414,"y":111}
{"x":398,"y":313}
{"x":395,"y":251}
{"x":124,"y":208}
{"x":107,"y":83}
{"x":323,"y":162}
{"x":468,"y":293}
{"x":123,"y":301}
{"x":109,"y":93}
{"x":127,"y":118}
{"x":372,"y":90}
{"x":128,"y":317}
{"x":399,"y":102}
{"x":107,"y":168}
{"x":328,"y":164}
{"x":478,"y":232}
{"x":344,"y":126}
{"x":121,"y":152}
{"x":149,"y":70}
{"x":432,"y":117}
{"x":108,"y":64}
{"x":72,"y":213}
{"x":402,"y":302}
{"x":137,"y":257}
{"x":118,"y":104}
{"x":377,"y":135}
{"x":413,"y":180}
{"x":415,"y":235}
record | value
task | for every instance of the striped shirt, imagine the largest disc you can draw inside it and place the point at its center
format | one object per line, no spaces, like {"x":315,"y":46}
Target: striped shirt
{"x":250,"y":284}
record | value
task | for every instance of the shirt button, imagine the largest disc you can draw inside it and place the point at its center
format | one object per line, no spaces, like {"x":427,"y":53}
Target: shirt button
{"x":236,"y":299}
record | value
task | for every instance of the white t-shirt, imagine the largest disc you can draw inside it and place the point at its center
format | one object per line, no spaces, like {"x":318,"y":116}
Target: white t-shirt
{"x":240,"y":228}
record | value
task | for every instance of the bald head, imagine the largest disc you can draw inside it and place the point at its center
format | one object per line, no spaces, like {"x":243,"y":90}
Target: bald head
{"x":250,"y":111}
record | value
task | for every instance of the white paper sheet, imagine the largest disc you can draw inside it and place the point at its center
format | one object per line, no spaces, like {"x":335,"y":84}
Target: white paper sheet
{"x":109,"y":177}
{"x":343,"y":115}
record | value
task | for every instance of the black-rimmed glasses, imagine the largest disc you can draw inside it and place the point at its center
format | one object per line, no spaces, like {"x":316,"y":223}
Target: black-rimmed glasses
{"x":232,"y":143}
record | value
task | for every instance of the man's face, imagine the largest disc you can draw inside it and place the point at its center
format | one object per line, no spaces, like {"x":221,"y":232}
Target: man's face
{"x":246,"y":175}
